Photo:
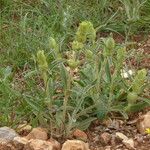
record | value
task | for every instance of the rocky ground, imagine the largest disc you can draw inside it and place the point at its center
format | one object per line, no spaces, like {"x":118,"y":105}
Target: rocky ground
{"x":111,"y":134}
{"x":116,"y":134}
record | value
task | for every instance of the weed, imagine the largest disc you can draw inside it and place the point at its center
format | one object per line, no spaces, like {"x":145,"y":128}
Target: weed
{"x":66,"y":100}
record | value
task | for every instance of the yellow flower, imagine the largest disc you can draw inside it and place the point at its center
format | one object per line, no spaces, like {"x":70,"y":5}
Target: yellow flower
{"x":147,"y":130}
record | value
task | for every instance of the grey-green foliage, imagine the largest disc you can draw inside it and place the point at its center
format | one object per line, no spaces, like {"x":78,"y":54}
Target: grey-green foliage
{"x":102,"y":72}
{"x":8,"y":97}
{"x":61,"y":97}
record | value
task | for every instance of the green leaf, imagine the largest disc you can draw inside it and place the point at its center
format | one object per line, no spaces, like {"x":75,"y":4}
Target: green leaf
{"x":145,"y":100}
{"x":108,"y":73}
{"x":120,"y":109}
{"x":30,"y":74}
{"x":34,"y":105}
{"x":7,"y":72}
{"x":64,"y":76}
{"x":83,"y":125}
{"x":54,"y":64}
{"x":137,"y":107}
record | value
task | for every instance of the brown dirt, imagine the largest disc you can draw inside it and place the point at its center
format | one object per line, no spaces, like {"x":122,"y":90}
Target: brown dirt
{"x":128,"y":128}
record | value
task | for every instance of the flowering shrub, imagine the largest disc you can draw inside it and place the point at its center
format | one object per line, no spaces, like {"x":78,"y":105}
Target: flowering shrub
{"x":81,"y":84}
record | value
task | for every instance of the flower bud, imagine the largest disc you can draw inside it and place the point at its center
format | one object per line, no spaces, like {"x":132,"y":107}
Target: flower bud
{"x":109,"y":43}
{"x":85,"y":31}
{"x":41,"y":59}
{"x":139,"y":81}
{"x":52,"y":43}
{"x":121,"y":54}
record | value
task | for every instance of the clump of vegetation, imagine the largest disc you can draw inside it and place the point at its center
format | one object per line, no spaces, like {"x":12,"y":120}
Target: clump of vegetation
{"x":70,"y":89}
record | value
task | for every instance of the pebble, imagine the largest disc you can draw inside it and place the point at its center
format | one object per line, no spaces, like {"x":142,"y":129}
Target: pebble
{"x":37,"y":133}
{"x":75,"y":145}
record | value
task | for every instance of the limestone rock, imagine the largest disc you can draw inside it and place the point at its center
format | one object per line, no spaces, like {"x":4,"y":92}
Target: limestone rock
{"x":20,"y":142}
{"x":6,"y":137}
{"x":108,"y":148}
{"x":7,"y":133}
{"x":56,"y":145}
{"x":36,"y":144}
{"x":129,"y":143}
{"x":144,"y":123}
{"x":75,"y":145}
{"x":5,"y":145}
{"x":37,"y":133}
{"x":80,"y":135}
{"x":121,"y":136}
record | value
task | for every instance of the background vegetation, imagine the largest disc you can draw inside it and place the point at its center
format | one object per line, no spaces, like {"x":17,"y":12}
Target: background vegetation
{"x":26,"y":25}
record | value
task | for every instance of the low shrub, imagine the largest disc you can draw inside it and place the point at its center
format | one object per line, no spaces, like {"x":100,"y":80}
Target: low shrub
{"x":71,"y":89}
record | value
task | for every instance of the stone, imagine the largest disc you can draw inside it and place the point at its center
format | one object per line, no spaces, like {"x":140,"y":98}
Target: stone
{"x":6,"y":138}
{"x":105,"y":138}
{"x":129,"y":143}
{"x":108,"y":148}
{"x":7,"y":133}
{"x":56,"y":145}
{"x":144,"y":123}
{"x":121,"y":136}
{"x":20,"y":142}
{"x":5,"y":145}
{"x":36,"y":144}
{"x":78,"y":134}
{"x":75,"y":145}
{"x":115,"y":124}
{"x":37,"y":133}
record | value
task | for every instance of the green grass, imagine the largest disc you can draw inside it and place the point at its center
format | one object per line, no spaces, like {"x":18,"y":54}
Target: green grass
{"x":27,"y":25}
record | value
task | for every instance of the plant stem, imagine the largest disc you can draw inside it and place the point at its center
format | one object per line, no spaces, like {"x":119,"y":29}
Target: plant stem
{"x":66,"y":97}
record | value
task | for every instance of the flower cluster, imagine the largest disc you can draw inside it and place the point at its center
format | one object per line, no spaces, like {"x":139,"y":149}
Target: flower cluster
{"x":85,"y":31}
{"x":139,"y":81}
